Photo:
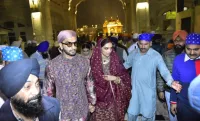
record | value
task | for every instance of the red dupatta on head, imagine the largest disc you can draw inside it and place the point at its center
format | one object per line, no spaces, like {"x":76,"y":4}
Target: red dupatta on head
{"x":122,"y":91}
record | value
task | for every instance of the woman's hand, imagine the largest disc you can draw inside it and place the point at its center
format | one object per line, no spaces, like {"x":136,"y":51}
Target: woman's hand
{"x":109,"y":77}
{"x":115,"y":79}
{"x":91,"y":108}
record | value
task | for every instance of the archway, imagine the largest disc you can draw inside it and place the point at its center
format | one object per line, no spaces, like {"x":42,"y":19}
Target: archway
{"x":88,"y":14}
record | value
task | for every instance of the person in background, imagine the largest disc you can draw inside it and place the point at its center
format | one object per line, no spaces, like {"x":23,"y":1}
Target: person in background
{"x":1,"y":58}
{"x":179,"y":37}
{"x":120,"y":49}
{"x":19,"y":82}
{"x":156,"y":43}
{"x":86,"y":51}
{"x":2,"y":96}
{"x":170,"y":45}
{"x":11,"y":54}
{"x":31,"y":47}
{"x":186,"y":67}
{"x":54,"y":51}
{"x":8,"y":55}
{"x":18,"y":44}
{"x":42,"y":57}
{"x":125,"y":40}
{"x":134,"y":44}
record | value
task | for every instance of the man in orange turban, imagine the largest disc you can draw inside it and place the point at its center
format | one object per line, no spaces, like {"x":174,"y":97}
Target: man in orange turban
{"x":179,"y":37}
{"x":180,"y":33}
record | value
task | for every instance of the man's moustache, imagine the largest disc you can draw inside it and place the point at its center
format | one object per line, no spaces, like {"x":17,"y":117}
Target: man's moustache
{"x":178,"y":46}
{"x":38,"y":96}
{"x":192,"y":55}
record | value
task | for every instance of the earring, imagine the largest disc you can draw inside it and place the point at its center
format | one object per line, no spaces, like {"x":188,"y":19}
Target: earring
{"x":60,"y":50}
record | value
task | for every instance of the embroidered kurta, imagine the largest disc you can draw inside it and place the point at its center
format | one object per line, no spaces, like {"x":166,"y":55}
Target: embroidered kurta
{"x":143,"y":100}
{"x":67,"y":79}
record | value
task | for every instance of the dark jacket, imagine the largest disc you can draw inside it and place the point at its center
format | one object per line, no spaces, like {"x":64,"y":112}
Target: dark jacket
{"x":51,"y":106}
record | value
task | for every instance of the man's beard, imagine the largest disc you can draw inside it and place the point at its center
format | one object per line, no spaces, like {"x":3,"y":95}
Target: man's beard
{"x":29,"y":109}
{"x":45,"y":55}
{"x":68,"y":53}
{"x":178,"y":49}
{"x":143,"y":50}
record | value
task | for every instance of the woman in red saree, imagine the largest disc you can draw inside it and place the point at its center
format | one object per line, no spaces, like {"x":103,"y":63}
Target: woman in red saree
{"x":112,"y":83}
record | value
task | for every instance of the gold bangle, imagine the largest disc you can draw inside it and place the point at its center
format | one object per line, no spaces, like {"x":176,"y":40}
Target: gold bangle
{"x":118,"y":80}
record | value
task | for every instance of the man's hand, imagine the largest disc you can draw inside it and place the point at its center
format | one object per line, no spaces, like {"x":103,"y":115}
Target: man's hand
{"x":174,"y":108}
{"x":161,"y":95}
{"x":175,"y":85}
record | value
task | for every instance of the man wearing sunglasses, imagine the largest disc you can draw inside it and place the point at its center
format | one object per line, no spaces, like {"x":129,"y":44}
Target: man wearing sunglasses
{"x":66,"y":77}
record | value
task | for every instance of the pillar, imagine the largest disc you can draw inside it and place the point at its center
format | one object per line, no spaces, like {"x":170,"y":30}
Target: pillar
{"x":41,"y":20}
{"x":125,"y":29}
{"x":36,"y":18}
{"x":48,"y":31}
{"x":142,"y":13}
{"x":130,"y":16}
{"x":133,"y":16}
{"x":71,"y":19}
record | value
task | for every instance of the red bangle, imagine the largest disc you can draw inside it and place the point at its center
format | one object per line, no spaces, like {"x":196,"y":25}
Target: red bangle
{"x":173,"y":102}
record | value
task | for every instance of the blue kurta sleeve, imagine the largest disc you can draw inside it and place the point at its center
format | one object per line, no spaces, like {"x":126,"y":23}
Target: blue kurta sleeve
{"x":129,"y":61}
{"x":164,"y":71}
{"x":175,"y":75}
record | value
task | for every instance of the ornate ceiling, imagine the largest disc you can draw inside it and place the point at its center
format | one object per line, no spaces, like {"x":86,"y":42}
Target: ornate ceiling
{"x":16,"y":9}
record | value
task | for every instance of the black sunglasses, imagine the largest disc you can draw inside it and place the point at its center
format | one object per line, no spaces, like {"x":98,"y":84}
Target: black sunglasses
{"x":69,"y":44}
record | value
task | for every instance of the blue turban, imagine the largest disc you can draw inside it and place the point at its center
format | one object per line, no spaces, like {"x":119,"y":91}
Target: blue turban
{"x":194,"y":93}
{"x":43,"y":46}
{"x":12,"y":54}
{"x":193,"y":39}
{"x":114,"y":40}
{"x":15,"y":74}
{"x":146,"y":37}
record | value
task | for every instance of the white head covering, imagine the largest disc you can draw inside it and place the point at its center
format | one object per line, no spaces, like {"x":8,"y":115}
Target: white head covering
{"x":153,"y":32}
{"x":16,"y":43}
{"x":135,"y":36}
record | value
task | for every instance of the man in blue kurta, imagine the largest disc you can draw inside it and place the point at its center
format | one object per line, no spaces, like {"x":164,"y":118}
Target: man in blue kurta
{"x":144,"y":62}
{"x":186,"y":67}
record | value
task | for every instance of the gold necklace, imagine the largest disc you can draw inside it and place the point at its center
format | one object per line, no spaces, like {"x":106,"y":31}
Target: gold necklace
{"x":105,"y":59}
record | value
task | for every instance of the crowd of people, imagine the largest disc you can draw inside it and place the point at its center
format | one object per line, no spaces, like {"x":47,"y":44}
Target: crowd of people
{"x":113,"y":78}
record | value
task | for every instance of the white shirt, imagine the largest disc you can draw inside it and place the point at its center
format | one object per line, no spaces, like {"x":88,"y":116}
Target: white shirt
{"x":1,"y":102}
{"x":188,"y":58}
{"x":132,"y":47}
{"x":1,"y":66}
